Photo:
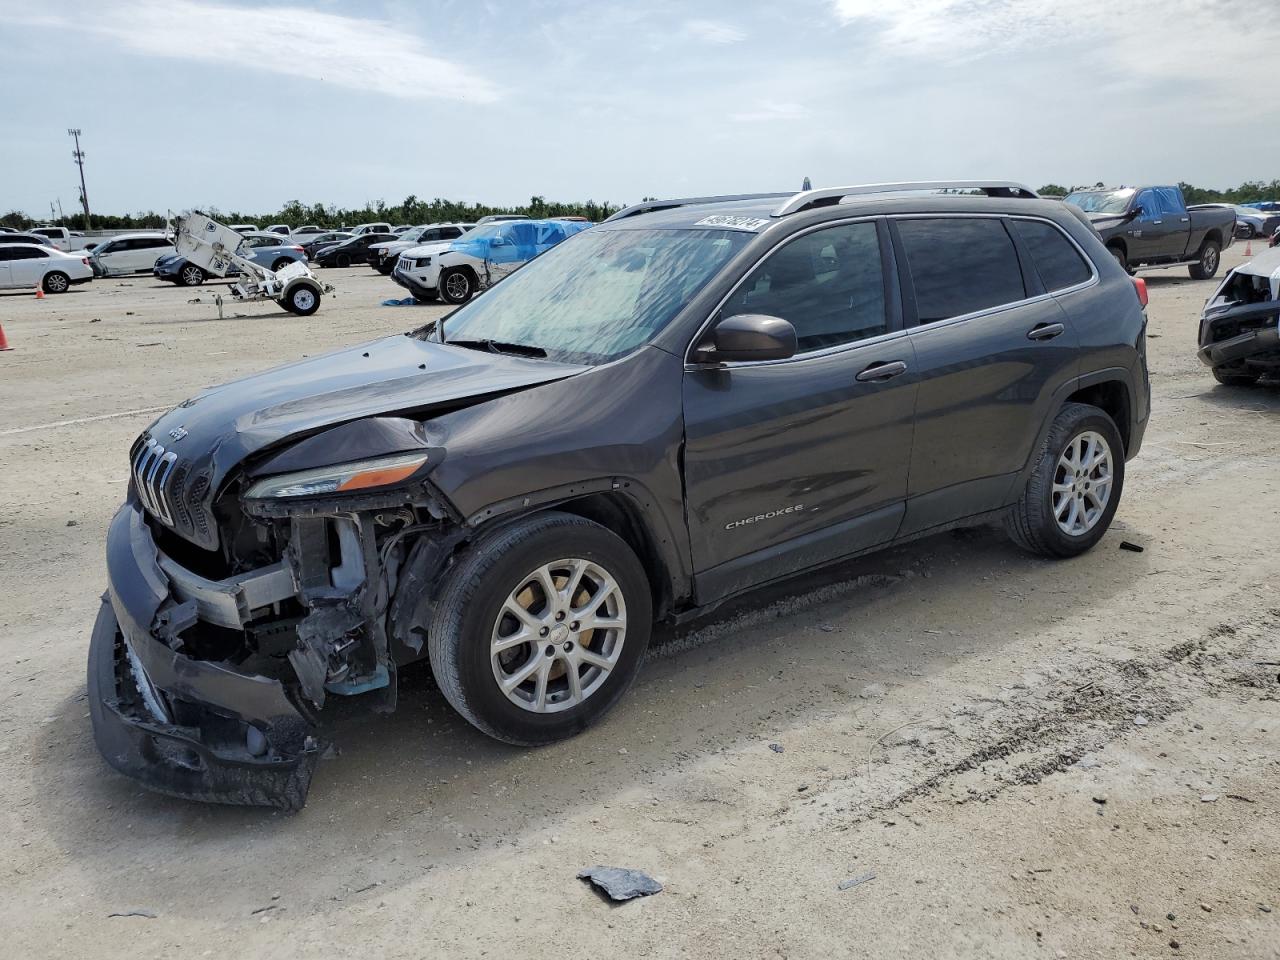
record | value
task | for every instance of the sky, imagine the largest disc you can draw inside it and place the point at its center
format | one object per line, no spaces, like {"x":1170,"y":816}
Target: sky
{"x":244,"y":106}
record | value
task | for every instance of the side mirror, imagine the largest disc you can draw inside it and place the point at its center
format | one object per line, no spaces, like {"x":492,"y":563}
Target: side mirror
{"x":747,"y":336}
{"x":1135,"y":213}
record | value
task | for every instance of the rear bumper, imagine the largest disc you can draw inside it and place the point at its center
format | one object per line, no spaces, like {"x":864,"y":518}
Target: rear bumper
{"x":192,"y":728}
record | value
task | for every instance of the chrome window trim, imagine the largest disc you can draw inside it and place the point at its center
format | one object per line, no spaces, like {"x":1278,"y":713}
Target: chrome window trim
{"x":690,"y":365}
{"x":1093,"y":280}
{"x":999,"y":307}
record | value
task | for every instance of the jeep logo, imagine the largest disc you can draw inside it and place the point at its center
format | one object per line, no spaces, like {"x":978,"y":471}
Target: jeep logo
{"x":781,"y":511}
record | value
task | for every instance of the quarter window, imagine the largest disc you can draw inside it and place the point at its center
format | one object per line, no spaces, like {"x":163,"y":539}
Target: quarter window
{"x":1059,"y":263}
{"x":828,"y":284}
{"x":960,"y":266}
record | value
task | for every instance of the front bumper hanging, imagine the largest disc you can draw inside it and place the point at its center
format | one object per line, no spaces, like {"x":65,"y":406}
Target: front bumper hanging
{"x":192,"y":728}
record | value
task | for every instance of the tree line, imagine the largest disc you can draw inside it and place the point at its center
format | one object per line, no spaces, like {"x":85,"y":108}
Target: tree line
{"x":1248,"y":192}
{"x":295,"y":213}
{"x":413,"y":210}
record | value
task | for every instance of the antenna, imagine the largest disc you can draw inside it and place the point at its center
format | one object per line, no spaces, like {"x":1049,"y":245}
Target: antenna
{"x":78,"y":154}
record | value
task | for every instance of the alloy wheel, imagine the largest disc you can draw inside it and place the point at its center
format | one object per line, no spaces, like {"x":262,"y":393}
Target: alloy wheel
{"x":558,"y":635}
{"x":457,"y":285}
{"x":1082,"y":483}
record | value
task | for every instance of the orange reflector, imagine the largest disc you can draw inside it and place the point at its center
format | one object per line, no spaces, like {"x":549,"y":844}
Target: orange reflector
{"x":381,"y":477}
{"x":1141,"y":286}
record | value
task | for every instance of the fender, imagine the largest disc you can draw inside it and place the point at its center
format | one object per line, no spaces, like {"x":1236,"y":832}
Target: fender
{"x":1122,"y":375}
{"x":672,"y":543}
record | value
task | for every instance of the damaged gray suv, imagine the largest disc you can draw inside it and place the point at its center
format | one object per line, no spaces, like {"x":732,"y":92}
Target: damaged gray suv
{"x":689,"y":400}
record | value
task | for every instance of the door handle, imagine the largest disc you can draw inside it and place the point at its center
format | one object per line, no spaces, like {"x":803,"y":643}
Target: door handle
{"x":1157,"y":221}
{"x":882,"y":371}
{"x":1186,"y":219}
{"x":1045,"y":331}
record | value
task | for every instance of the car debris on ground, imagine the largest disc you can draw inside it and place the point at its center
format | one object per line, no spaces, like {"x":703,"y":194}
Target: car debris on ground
{"x":620,"y":883}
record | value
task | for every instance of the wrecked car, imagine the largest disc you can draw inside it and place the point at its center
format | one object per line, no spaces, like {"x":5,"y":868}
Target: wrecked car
{"x":1239,"y":339}
{"x":690,"y":400}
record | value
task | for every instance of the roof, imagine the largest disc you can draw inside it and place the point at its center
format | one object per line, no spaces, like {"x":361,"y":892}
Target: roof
{"x":755,"y":212}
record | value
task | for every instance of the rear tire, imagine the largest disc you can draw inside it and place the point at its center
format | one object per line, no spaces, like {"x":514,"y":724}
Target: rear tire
{"x":473,"y":616}
{"x":55,"y":281}
{"x":1236,"y":376}
{"x":281,"y":264}
{"x":1210,"y":257}
{"x":1044,"y":520}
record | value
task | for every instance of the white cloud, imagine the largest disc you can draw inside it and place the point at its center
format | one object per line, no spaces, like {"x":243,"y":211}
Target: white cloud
{"x":713,"y":31}
{"x":1187,"y":42}
{"x":363,"y":54}
{"x":770,"y":110}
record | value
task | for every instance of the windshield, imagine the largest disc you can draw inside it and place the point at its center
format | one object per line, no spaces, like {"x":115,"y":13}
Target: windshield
{"x":597,"y":295}
{"x":1109,"y":201}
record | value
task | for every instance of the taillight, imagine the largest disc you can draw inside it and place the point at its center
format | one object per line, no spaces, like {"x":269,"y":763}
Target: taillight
{"x":1141,"y":286}
{"x":299,"y":249}
{"x":85,"y":261}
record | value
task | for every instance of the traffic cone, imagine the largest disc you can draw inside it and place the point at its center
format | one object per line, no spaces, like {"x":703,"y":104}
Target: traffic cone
{"x":1248,"y":248}
{"x":4,"y":341}
{"x":39,"y":293}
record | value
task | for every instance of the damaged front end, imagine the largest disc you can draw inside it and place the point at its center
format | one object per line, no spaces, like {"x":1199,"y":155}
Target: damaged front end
{"x":1239,"y":336}
{"x":229,"y":620}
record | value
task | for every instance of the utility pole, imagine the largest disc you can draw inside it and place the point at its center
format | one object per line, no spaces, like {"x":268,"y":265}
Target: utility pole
{"x":79,"y":158}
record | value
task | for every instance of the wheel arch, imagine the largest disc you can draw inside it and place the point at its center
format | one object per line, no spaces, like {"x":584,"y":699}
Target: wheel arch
{"x":1112,"y":397}
{"x":621,"y":505}
{"x":1109,"y":389}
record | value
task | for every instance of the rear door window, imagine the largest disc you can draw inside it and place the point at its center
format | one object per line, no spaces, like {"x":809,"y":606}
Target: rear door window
{"x":1056,"y":258}
{"x":1170,"y":202}
{"x":959,"y":266}
{"x":828,"y":284}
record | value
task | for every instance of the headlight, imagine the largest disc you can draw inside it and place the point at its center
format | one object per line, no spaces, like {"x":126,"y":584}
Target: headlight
{"x":423,"y":262}
{"x":342,"y":478}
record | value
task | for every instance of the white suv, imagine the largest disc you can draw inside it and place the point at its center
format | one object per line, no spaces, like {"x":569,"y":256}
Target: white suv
{"x":130,"y":253}
{"x":457,"y":271}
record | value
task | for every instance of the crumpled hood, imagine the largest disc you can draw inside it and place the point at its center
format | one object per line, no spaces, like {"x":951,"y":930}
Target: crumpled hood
{"x":218,"y":428}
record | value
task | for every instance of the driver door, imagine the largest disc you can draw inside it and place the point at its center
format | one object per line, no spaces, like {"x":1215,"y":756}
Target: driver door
{"x":1155,"y":235}
{"x":791,"y":463}
{"x":511,"y":248}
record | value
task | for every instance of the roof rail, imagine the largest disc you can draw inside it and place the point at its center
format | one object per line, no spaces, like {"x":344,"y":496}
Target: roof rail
{"x":649,"y":206}
{"x":827,"y":196}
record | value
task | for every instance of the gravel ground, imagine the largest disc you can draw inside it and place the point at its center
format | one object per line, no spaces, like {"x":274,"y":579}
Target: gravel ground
{"x":1070,"y":759}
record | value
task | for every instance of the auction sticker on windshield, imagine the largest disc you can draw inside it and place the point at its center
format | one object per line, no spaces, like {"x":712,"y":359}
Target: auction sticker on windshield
{"x":733,"y":223}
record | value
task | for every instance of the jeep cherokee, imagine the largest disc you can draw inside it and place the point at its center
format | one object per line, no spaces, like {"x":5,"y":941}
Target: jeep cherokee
{"x":692,"y":399}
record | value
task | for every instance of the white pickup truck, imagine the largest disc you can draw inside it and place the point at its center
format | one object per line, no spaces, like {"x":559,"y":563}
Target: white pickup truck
{"x":60,"y":238}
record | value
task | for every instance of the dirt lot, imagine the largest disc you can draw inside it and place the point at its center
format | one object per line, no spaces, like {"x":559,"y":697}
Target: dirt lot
{"x":1076,"y":759}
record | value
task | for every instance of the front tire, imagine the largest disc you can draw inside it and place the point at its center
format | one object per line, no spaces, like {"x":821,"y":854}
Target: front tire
{"x":55,"y":281}
{"x":344,"y":260}
{"x":456,"y":286}
{"x":1207,"y":266}
{"x":191,"y":275}
{"x":541,"y":628}
{"x":1074,"y":489}
{"x":1122,"y":259}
